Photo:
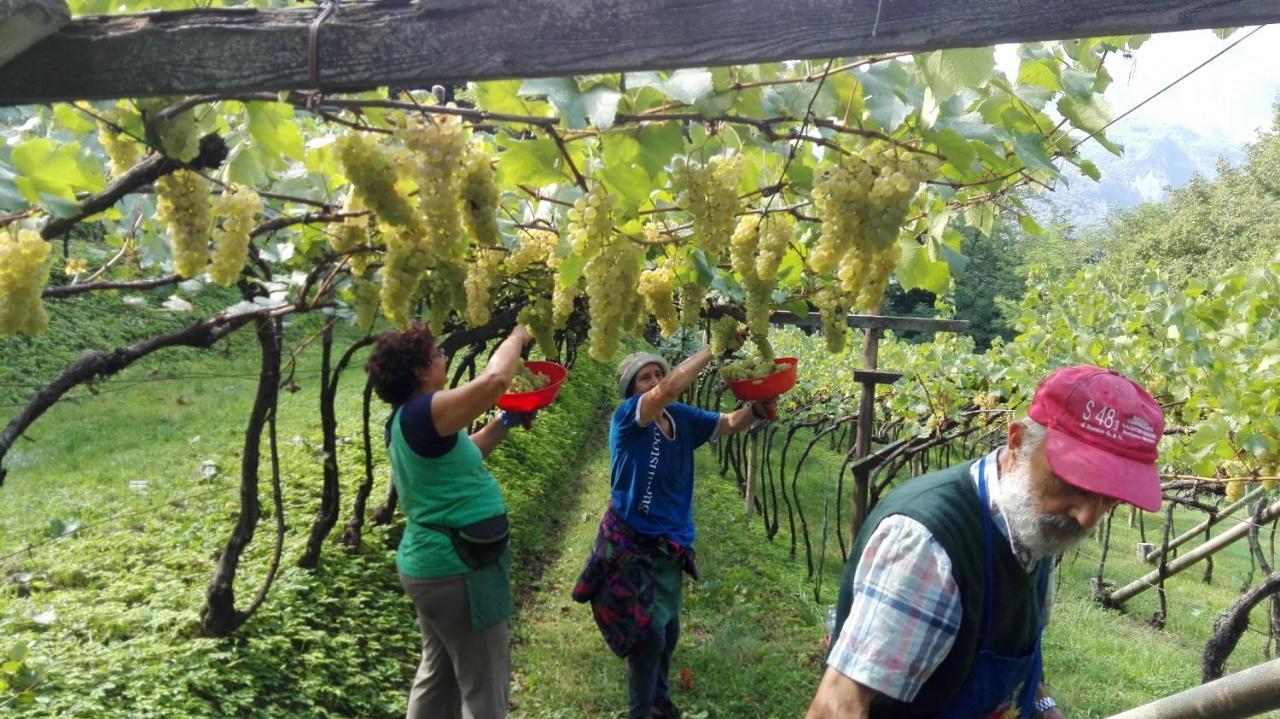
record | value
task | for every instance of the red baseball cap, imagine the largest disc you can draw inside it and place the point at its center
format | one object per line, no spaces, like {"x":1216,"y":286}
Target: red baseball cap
{"x":1103,"y":433}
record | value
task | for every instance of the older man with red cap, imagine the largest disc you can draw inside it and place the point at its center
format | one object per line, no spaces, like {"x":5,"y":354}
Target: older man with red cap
{"x":947,"y":588}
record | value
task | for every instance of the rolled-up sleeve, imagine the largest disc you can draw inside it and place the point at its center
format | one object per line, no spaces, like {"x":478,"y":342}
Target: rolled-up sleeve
{"x":906,"y":611}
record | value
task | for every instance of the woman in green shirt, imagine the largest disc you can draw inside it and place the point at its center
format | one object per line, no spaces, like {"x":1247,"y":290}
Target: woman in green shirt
{"x":439,"y":474}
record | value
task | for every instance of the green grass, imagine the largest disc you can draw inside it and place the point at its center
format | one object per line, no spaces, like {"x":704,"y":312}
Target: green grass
{"x":751,"y":637}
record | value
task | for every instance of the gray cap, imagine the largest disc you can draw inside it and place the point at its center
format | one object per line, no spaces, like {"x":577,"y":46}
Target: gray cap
{"x":632,"y":364}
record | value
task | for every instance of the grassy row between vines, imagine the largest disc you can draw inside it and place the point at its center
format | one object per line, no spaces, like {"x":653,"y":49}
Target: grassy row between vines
{"x":148,"y":473}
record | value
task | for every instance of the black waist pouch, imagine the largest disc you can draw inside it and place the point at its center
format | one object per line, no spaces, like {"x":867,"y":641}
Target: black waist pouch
{"x":479,"y":544}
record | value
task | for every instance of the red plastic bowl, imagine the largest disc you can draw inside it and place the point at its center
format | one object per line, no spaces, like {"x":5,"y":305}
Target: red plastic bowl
{"x":539,"y":398}
{"x":758,"y":388}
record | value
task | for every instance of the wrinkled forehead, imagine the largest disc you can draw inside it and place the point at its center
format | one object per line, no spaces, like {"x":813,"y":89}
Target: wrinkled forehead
{"x":649,"y":368}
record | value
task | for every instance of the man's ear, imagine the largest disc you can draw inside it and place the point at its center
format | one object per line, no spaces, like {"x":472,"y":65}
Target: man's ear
{"x":1015,"y":437}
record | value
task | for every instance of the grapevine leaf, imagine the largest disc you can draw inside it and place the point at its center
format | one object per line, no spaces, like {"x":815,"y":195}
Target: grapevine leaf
{"x":1030,"y":226}
{"x":503,"y":96}
{"x":1078,"y":84}
{"x":273,"y":129}
{"x":70,"y":118}
{"x":51,"y":168}
{"x":601,"y":105}
{"x":880,"y":83}
{"x":1090,"y":170}
{"x":947,"y":71}
{"x":956,"y":149}
{"x":571,"y":269}
{"x":688,"y":85}
{"x":1041,"y":73}
{"x":628,"y":182}
{"x":659,"y":143}
{"x":532,"y":162}
{"x":917,"y":270}
{"x":1029,"y":147}
{"x":564,"y":94}
{"x":1091,"y":117}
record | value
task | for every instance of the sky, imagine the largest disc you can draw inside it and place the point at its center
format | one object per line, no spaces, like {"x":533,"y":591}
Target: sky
{"x":1232,"y":95}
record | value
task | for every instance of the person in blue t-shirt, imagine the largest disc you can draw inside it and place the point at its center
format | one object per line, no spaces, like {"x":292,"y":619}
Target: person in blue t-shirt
{"x":633,"y":577}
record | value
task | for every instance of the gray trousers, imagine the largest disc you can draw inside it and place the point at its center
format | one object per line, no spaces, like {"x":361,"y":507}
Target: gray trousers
{"x":463,"y":674}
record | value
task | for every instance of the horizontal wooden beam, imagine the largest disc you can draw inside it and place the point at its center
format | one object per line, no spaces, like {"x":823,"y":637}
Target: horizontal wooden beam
{"x":874,"y":376}
{"x":876,"y":322}
{"x":393,"y":42}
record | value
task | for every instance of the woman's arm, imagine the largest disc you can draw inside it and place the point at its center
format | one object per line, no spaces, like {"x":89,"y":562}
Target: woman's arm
{"x":744,"y":417}
{"x":454,"y":409}
{"x":672,"y":386}
{"x":490,"y":436}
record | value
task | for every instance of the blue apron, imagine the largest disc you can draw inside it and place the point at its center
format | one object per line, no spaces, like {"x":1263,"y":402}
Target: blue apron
{"x":994,"y":679}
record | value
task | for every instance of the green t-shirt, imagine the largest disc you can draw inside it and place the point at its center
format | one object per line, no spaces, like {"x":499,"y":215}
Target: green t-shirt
{"x":452,"y":490}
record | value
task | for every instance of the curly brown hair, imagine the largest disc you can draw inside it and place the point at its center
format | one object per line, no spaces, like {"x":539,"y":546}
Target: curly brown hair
{"x":395,"y":361}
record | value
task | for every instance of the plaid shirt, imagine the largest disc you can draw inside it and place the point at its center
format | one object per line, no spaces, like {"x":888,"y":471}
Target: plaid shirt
{"x":906,"y":607}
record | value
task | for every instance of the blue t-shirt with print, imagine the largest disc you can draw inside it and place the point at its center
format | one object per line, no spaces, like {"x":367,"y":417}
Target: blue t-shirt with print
{"x":652,"y":474}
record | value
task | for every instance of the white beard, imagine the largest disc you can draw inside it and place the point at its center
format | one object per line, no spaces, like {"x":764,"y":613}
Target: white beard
{"x":1044,"y":535}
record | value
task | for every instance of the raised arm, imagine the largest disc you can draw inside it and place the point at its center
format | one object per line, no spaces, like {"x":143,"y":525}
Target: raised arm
{"x":672,"y":386}
{"x":455,"y":409}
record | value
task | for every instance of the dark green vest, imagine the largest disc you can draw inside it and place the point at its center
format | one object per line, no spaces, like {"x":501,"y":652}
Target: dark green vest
{"x":946,"y":503}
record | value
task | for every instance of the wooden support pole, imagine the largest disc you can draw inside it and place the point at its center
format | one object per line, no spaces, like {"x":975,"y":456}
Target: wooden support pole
{"x":401,"y":44}
{"x":1244,"y":694}
{"x":862,"y":442}
{"x":1137,"y":586}
{"x":1195,"y":531}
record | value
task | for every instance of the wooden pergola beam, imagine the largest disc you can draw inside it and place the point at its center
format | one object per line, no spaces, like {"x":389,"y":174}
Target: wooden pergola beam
{"x":391,"y":42}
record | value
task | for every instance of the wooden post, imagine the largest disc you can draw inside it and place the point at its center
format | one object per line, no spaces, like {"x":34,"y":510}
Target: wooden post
{"x":862,"y":443}
{"x":1244,"y":694}
{"x":1181,"y":539}
{"x":1137,"y":586}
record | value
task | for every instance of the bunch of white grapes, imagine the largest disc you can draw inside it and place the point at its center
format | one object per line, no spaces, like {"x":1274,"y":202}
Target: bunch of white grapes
{"x":439,"y":148}
{"x":237,"y":209}
{"x":753,"y":366}
{"x":178,"y":135}
{"x":710,"y":193}
{"x":692,"y":300}
{"x":445,"y":283}
{"x":22,"y":275}
{"x":402,"y":268}
{"x":832,"y":308}
{"x":863,"y":201}
{"x":526,"y":380}
{"x":182,"y":203}
{"x":351,"y":234}
{"x":724,"y":335}
{"x":373,"y":171}
{"x":479,"y":285}
{"x":656,"y":285}
{"x":534,"y":247}
{"x":366,"y":304}
{"x":562,"y":302}
{"x":537,"y":319}
{"x":611,"y":278}
{"x":591,"y":222}
{"x":480,"y":199}
{"x":122,"y":152}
